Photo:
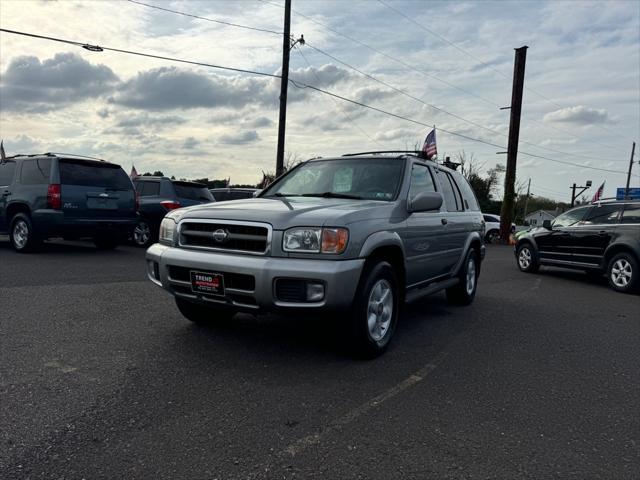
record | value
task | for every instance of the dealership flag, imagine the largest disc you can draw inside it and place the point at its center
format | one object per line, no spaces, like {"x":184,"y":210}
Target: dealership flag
{"x":598,"y":194}
{"x":134,"y":172}
{"x":429,"y":148}
{"x":2,"y":154}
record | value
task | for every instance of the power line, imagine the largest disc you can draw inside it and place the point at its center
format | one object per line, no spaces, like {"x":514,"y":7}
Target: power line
{"x":222,"y":22}
{"x":392,"y":58}
{"x":346,"y":115}
{"x":97,"y":48}
{"x":457,"y":47}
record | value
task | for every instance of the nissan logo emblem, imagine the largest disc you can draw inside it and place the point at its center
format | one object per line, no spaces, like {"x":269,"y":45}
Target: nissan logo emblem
{"x":220,"y":235}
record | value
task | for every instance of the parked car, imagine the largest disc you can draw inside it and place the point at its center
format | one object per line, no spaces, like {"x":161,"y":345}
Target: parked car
{"x":224,"y":194}
{"x":492,"y":227}
{"x":354,"y":236}
{"x":603,"y":238}
{"x":159,"y":195}
{"x":60,"y":195}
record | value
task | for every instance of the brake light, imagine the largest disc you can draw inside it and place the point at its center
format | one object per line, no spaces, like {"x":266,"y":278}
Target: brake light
{"x":54,"y":200}
{"x":170,"y":205}
{"x":137,"y":200}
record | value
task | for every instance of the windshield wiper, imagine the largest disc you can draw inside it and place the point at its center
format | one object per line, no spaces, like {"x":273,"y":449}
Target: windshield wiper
{"x":332,"y":195}
{"x":278,"y":194}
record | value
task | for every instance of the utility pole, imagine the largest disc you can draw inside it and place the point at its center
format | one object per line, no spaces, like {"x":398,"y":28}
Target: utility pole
{"x":574,"y":195}
{"x":626,"y":191}
{"x":284,"y":83}
{"x":506,"y":214}
{"x":526,"y":202}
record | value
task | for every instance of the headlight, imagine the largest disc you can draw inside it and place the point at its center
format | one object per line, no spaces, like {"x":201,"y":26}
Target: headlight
{"x":167,"y":231}
{"x":315,"y":240}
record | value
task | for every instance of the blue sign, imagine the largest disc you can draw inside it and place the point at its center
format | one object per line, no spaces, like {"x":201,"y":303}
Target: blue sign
{"x":634,"y":194}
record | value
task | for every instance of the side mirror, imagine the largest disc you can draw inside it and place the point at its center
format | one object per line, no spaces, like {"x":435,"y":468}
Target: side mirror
{"x":425,"y":202}
{"x":546,"y":224}
{"x":256,"y":193}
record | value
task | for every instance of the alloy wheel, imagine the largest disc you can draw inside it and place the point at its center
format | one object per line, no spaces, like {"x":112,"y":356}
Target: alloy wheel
{"x":380,"y":309}
{"x":621,"y":273}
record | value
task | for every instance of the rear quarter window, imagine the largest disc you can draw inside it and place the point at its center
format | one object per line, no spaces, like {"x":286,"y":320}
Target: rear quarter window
{"x":631,"y":214}
{"x":468,"y":197}
{"x":192,"y":192}
{"x":36,"y":171}
{"x":94,"y":174}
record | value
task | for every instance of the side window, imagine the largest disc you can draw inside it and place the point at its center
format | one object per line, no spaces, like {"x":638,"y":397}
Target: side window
{"x":150,"y":189}
{"x":7,"y":169}
{"x":421,"y":181}
{"x":488,"y":218}
{"x":631,"y":214}
{"x":138,"y":186}
{"x":468,"y":197}
{"x":451,"y":196}
{"x":35,"y":172}
{"x":604,"y":214}
{"x":456,"y":193}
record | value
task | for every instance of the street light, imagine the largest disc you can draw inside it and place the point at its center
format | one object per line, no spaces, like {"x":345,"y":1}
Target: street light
{"x":574,"y":194}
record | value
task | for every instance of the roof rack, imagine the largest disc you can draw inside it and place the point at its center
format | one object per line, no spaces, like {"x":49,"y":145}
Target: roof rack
{"x":73,"y":155}
{"x":414,"y":152}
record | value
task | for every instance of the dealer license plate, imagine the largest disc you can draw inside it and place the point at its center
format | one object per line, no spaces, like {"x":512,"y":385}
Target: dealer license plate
{"x":207,"y":283}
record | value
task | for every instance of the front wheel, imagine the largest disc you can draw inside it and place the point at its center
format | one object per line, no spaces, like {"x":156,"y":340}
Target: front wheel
{"x":492,"y":236}
{"x":527,"y":260}
{"x":201,"y":315}
{"x":465,"y":291}
{"x":623,"y":273}
{"x":375,"y":310}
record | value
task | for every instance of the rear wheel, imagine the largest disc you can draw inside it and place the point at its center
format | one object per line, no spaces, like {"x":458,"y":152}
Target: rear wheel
{"x":465,"y":291}
{"x":623,"y":273}
{"x":527,"y":260}
{"x":202,"y":315}
{"x":142,"y":236}
{"x":492,"y":236}
{"x":22,"y":235}
{"x":375,"y":310}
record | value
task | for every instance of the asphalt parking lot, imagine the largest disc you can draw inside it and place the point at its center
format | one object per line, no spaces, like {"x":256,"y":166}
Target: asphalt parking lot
{"x":100,"y":377}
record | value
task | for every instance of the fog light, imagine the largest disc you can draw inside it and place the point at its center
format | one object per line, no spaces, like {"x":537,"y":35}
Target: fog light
{"x":315,"y":292}
{"x":154,"y":269}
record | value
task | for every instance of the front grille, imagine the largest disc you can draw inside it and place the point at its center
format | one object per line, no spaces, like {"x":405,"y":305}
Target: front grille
{"x":235,"y":281}
{"x":294,"y":291}
{"x":236,"y":237}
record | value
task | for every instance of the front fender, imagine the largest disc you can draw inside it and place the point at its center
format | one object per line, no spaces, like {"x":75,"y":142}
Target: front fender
{"x":381,"y":239}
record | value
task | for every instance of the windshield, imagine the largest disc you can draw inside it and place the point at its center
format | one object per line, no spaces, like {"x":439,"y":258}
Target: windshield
{"x":570,"y":218}
{"x":193,"y":191}
{"x":93,"y":174}
{"x":360,"y":178}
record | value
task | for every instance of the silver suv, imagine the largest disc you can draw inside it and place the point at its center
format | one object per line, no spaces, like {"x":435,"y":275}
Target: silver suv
{"x":357,"y":234}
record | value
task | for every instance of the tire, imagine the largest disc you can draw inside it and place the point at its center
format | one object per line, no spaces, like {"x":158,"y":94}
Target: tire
{"x":623,"y":273}
{"x":142,"y":234}
{"x":21,"y":233}
{"x":202,"y":315}
{"x":375,"y":310}
{"x":492,"y":236}
{"x":106,"y":242}
{"x":465,"y":291}
{"x":526,"y":258}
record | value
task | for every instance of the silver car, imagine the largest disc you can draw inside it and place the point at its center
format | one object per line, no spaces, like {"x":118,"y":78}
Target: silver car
{"x":358,"y":234}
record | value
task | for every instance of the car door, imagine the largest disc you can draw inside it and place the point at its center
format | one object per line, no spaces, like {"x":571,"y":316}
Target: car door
{"x":424,"y":235}
{"x":593,"y":234}
{"x":7,"y":171}
{"x":556,"y":245}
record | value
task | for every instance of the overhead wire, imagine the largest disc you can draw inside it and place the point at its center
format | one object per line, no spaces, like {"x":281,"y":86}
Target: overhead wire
{"x":298,"y":85}
{"x":481,"y":62}
{"x":371,"y":77}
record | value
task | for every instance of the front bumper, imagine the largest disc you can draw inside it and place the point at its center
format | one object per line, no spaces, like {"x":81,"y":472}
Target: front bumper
{"x":340,"y":278}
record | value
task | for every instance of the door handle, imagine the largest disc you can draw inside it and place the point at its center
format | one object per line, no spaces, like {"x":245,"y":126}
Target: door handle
{"x":602,"y":233}
{"x":444,"y":221}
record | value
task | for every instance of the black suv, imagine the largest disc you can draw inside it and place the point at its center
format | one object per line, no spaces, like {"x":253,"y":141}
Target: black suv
{"x":159,"y":195}
{"x":60,"y":195}
{"x":599,"y":238}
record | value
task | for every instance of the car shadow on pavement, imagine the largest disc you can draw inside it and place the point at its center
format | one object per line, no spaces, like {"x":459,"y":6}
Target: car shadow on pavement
{"x":64,"y":247}
{"x":574,"y":276}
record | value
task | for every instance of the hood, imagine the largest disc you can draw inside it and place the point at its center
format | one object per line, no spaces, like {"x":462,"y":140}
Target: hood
{"x":283,"y":213}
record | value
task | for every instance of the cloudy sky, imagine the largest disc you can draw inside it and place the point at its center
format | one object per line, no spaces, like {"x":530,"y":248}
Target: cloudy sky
{"x":436,"y":62}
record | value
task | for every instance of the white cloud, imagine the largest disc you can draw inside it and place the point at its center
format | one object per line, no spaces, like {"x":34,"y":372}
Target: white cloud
{"x":579,"y":114}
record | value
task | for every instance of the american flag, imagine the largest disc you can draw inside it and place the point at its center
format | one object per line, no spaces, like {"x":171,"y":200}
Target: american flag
{"x":134,"y":172}
{"x":598,"y":194}
{"x":429,"y":147}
